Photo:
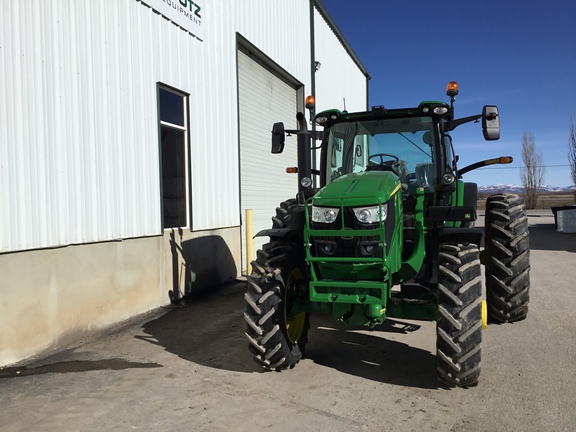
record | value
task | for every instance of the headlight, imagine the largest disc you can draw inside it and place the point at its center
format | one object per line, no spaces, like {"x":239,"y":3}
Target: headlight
{"x":448,"y":178}
{"x":306,"y":182}
{"x":324,"y":214}
{"x":368,"y":215}
{"x":440,"y":110}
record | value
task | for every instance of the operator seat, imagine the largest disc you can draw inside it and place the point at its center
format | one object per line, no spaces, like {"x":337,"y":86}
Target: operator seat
{"x":425,"y":174}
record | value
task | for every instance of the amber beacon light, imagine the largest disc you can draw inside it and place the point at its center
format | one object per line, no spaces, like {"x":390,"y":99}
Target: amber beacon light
{"x":452,"y":89}
{"x":310,"y":102}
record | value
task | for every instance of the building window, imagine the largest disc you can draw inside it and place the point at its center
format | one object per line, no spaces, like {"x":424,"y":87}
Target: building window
{"x":173,"y":107}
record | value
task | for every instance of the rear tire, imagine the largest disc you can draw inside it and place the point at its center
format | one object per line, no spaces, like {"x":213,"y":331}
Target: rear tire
{"x":508,"y":258}
{"x":459,"y":325}
{"x":277,"y":340}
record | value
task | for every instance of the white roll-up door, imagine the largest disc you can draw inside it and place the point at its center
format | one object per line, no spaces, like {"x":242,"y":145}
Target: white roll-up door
{"x":264,"y":99}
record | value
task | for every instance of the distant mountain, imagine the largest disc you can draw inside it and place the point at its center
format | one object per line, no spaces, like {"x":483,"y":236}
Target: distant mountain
{"x":519,"y":189}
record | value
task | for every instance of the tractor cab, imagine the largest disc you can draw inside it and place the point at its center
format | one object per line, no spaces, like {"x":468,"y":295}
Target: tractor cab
{"x":405,"y":143}
{"x":412,"y":144}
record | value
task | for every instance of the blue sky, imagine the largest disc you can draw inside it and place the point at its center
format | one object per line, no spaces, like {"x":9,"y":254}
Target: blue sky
{"x":518,"y":55}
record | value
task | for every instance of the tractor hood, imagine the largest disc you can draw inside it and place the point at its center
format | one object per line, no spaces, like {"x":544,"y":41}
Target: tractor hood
{"x":358,"y":189}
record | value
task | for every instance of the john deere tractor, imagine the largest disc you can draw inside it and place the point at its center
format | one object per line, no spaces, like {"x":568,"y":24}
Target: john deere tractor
{"x":387,"y":230}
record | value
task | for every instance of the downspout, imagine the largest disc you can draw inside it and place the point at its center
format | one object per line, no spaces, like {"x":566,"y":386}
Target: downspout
{"x":367,"y":93}
{"x":313,"y":81}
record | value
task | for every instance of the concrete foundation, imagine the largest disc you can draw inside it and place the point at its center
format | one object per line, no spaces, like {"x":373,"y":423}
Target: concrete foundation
{"x":49,"y":294}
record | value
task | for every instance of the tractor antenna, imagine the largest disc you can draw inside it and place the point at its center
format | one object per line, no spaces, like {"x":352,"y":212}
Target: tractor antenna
{"x":344,"y":99}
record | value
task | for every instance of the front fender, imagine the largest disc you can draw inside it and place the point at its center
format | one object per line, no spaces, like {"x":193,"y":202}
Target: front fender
{"x":280,"y":234}
{"x":461,"y":235}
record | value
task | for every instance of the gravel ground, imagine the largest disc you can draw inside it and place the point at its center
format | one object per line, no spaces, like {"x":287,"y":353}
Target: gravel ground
{"x":189,"y":367}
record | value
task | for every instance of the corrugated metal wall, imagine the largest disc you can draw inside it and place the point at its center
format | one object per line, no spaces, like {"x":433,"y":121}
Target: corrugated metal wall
{"x":78,"y":121}
{"x":339,"y":77}
{"x":264,"y":99}
{"x":80,"y":157}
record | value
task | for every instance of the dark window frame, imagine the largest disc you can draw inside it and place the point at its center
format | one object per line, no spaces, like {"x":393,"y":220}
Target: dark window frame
{"x":174,"y":154}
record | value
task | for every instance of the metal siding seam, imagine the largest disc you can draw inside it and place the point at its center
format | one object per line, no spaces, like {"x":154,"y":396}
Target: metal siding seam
{"x":5,"y":132}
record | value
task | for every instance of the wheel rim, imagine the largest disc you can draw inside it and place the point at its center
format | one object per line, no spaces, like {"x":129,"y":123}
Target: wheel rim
{"x":484,"y":315}
{"x":294,"y":326}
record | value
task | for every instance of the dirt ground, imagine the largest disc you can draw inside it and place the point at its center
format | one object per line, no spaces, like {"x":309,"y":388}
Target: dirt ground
{"x":188,"y":368}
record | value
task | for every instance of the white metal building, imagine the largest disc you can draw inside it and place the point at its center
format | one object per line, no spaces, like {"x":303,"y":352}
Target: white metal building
{"x":133,"y":135}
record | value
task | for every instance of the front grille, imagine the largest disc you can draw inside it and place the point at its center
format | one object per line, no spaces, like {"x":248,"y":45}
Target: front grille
{"x":346,"y":246}
{"x":351,"y":246}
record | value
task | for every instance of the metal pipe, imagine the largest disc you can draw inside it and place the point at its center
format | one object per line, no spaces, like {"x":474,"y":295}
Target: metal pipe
{"x":304,"y":151}
{"x":249,"y":241}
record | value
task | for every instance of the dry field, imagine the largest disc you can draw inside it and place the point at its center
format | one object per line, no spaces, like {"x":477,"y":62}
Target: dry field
{"x":545,"y":201}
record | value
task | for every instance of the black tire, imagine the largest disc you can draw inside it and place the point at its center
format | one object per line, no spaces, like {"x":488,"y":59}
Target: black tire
{"x":283,"y":218}
{"x":459,"y":325}
{"x":508,"y":258}
{"x":276,"y":341}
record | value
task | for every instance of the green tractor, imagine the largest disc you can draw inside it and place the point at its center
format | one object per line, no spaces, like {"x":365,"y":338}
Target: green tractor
{"x":389,"y":232}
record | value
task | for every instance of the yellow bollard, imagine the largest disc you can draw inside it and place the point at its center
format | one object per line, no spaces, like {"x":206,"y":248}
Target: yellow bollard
{"x":249,"y":241}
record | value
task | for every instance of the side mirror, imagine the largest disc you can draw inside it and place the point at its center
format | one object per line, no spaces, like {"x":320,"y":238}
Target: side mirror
{"x":490,"y":123}
{"x":278,"y":137}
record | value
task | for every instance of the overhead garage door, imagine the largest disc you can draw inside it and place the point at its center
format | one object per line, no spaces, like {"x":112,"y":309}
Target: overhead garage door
{"x":264,"y":99}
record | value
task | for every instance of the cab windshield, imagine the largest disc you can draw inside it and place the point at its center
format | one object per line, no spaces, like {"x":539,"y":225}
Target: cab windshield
{"x":403,"y":146}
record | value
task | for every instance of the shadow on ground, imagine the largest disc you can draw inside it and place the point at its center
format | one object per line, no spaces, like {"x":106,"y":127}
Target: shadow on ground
{"x":372,"y":355}
{"x":208,"y":329}
{"x":545,"y":237}
{"x":75,"y":366}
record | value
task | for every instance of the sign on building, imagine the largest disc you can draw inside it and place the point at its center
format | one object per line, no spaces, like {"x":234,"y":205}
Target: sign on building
{"x":185,"y":13}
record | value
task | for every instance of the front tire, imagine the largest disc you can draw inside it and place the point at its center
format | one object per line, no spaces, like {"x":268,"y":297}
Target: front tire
{"x":283,"y":218}
{"x":508,"y":258}
{"x":277,"y":338}
{"x":459,"y":325}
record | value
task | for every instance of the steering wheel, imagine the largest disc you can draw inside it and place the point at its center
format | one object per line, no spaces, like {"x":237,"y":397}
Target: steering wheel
{"x":390,"y":161}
